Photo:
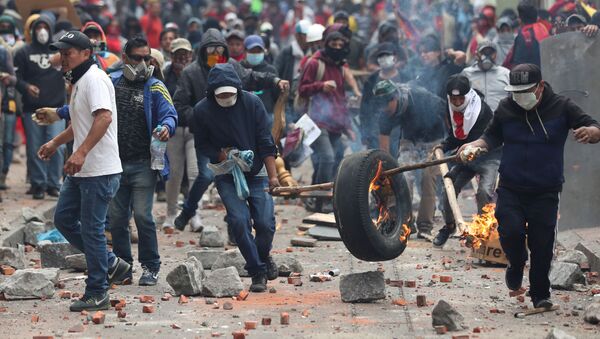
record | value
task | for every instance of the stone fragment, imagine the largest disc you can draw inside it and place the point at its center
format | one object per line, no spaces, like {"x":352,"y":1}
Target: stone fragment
{"x":232,"y":258}
{"x":284,"y":318}
{"x":362,"y":287}
{"x":266,"y":321}
{"x":574,"y":257}
{"x":121,"y":314}
{"x":32,"y":229}
{"x":186,"y":278}
{"x":183,"y":300}
{"x":250,"y":325}
{"x":591,"y":249}
{"x":7,"y":270}
{"x":227,"y":306}
{"x":564,"y":275}
{"x":206,"y":256}
{"x":287,"y":264}
{"x":239,"y":335}
{"x":77,"y":329}
{"x":559,"y":334}
{"x":211,"y":237}
{"x":592,"y":313}
{"x":146,"y":299}
{"x":27,"y":285}
{"x":11,"y":256}
{"x":29,"y":214}
{"x":53,"y":254}
{"x":445,"y":315}
{"x":222,"y":282}
{"x":303,"y":242}
{"x":76,"y":262}
{"x":148,"y":309}
{"x":52,"y":274}
{"x":421,"y":301}
{"x":441,"y":329}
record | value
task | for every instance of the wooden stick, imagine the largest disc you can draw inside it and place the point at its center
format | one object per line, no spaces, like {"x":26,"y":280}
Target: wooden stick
{"x":421,"y":165}
{"x":450,"y":192}
{"x":291,"y":190}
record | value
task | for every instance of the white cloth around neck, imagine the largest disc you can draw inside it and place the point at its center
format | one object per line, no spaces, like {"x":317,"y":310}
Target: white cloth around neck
{"x":470,"y":114}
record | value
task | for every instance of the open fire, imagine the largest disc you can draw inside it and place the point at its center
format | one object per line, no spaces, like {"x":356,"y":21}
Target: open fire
{"x":482,"y":226}
{"x":376,"y":184}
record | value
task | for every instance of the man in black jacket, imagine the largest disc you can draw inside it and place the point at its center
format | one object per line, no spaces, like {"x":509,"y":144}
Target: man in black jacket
{"x":468,"y":116}
{"x":255,"y":60}
{"x":533,"y":126}
{"x":191,"y":88}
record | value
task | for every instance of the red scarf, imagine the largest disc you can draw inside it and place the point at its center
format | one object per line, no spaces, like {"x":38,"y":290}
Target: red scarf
{"x":459,"y":132}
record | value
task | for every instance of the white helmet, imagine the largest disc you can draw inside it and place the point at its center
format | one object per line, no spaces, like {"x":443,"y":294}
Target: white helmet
{"x":315,"y":33}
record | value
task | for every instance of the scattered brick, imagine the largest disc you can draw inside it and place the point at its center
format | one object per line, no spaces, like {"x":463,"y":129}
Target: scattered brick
{"x":120,"y":306}
{"x":441,"y":329}
{"x":305,"y":313}
{"x":445,"y":279}
{"x":59,"y":285}
{"x":175,"y":327}
{"x":121,"y":314}
{"x":179,"y":243}
{"x":521,"y":298}
{"x":227,"y":306}
{"x":399,"y":302}
{"x":65,"y":294}
{"x":77,"y":329}
{"x":148,"y":309}
{"x":168,"y":230}
{"x":7,"y":270}
{"x":250,"y":324}
{"x":485,"y":276}
{"x":419,"y":267}
{"x":98,"y":318}
{"x":477,"y":330}
{"x":410,"y":283}
{"x":421,"y":301}
{"x":215,"y":334}
{"x":243,"y":295}
{"x":463,"y":336}
{"x":35,"y":318}
{"x":192,"y":242}
{"x":166,"y":297}
{"x":266,"y":321}
{"x":183,"y":299}
{"x":395,"y":283}
{"x":239,"y":335}
{"x":43,"y":337}
{"x":289,"y":250}
{"x":294,"y":280}
{"x":285,"y":318}
{"x":3,"y":309}
{"x":595,"y":291}
{"x":146,"y":299}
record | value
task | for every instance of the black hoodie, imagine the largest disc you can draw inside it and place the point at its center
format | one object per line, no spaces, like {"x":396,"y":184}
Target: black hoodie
{"x":192,"y":84}
{"x":32,"y":64}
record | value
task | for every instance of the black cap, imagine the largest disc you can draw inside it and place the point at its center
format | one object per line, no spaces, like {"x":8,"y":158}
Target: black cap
{"x":524,"y":77}
{"x":341,"y":15}
{"x":70,"y":39}
{"x":458,"y":85}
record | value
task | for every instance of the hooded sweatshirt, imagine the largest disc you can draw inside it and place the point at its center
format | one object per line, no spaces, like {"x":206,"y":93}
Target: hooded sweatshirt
{"x":32,"y":63}
{"x":243,"y":126}
{"x":104,"y":59}
{"x":193,"y":81}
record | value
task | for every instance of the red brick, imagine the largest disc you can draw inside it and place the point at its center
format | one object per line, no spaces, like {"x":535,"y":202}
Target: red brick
{"x":521,"y":298}
{"x":121,"y":314}
{"x":43,"y":337}
{"x":421,"y":300}
{"x":445,"y":279}
{"x":192,"y":242}
{"x":243,"y":295}
{"x":250,"y":324}
{"x":239,"y":335}
{"x":441,"y":329}
{"x":35,"y":318}
{"x":294,"y":280}
{"x":120,"y":306}
{"x":168,"y":230}
{"x":183,"y":299}
{"x":410,"y":283}
{"x":285,"y":318}
{"x":7,"y":270}
{"x":399,"y":302}
{"x":65,"y":294}
{"x":462,"y":336}
{"x":146,"y":299}
{"x":3,"y":309}
{"x":179,"y":243}
{"x":266,"y":321}
{"x":148,"y":309}
{"x":289,"y":250}
{"x":477,"y":330}
{"x":98,"y":318}
{"x":166,"y":297}
{"x":396,"y":283}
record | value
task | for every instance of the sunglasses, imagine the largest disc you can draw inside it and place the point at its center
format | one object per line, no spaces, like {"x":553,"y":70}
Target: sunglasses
{"x":139,"y":58}
{"x":212,"y":49}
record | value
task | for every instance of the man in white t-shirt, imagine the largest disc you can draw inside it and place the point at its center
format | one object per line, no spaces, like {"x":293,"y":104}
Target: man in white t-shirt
{"x":93,"y":169}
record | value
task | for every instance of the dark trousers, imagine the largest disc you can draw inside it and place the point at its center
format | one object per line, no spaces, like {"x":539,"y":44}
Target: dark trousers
{"x":529,"y":217}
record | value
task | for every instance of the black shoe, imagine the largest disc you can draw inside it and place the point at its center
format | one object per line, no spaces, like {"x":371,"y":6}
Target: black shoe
{"x":443,"y":235}
{"x":182,"y":220}
{"x":259,"y":283}
{"x":119,"y":272}
{"x":53,"y":192}
{"x":514,"y":277}
{"x":91,"y":303}
{"x":149,"y":277}
{"x":272,"y":271}
{"x":38,"y":193}
{"x":544,"y":303}
{"x":230,"y":237}
{"x":425,"y":234}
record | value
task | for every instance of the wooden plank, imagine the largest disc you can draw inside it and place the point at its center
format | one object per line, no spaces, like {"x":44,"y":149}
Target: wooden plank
{"x":451,"y":193}
{"x":325,"y":233}
{"x":305,"y":227}
{"x":320,"y":219}
{"x":303,"y":242}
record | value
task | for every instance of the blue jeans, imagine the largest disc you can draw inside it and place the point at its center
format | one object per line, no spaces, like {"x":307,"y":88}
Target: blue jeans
{"x":257,"y":212}
{"x":10,"y":122}
{"x":136,"y":194}
{"x":44,"y":174}
{"x":201,"y":183}
{"x":80,"y":216}
{"x":328,"y":153}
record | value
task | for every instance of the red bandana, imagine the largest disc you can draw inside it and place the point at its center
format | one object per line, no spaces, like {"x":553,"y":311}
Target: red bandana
{"x":458,"y":118}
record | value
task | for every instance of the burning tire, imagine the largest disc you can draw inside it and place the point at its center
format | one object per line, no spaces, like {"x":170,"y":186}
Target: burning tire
{"x":372,"y":210}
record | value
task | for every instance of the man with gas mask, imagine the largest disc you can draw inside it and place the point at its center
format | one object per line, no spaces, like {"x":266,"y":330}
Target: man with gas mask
{"x":486,"y":76}
{"x":468,"y":116}
{"x":191,"y":88}
{"x":233,"y":132}
{"x":532,"y":126}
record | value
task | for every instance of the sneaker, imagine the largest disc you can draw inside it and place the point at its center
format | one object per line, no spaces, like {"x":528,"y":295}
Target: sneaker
{"x":169,"y":221}
{"x":149,"y":277}
{"x":443,"y":235}
{"x":182,"y":220}
{"x":259,"y":283}
{"x":38,"y":193}
{"x":425,"y":235}
{"x":544,"y":303}
{"x":119,"y":272}
{"x":272,"y":271}
{"x":196,"y":223}
{"x":91,"y":303}
{"x":513,"y":277}
{"x":53,"y":192}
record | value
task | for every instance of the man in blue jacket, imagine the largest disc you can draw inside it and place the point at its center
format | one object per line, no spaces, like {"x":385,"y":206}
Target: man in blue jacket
{"x":532,"y":126}
{"x":230,"y":119}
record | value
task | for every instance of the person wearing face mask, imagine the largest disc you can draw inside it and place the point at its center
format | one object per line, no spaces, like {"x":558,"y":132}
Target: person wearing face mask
{"x":487,"y":77}
{"x":230,"y":118}
{"x":532,"y":126}
{"x":505,"y":39}
{"x":468,"y":116}
{"x":8,"y":34}
{"x":42,"y":85}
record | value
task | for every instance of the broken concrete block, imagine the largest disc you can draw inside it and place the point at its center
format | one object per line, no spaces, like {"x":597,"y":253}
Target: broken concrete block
{"x":52,"y":274}
{"x":222,"y":282}
{"x":287,"y":264}
{"x":573,"y":257}
{"x":53,"y":255}
{"x":592,"y":313}
{"x":211,"y":237}
{"x":303,"y":242}
{"x":206,"y":256}
{"x":232,"y":258}
{"x":186,"y":278}
{"x":29,"y":214}
{"x":591,"y":249}
{"x":445,"y":315}
{"x":362,"y":287}
{"x":11,"y":256}
{"x":32,"y":229}
{"x":27,"y":285}
{"x":564,"y":275}
{"x":559,"y":334}
{"x":76,"y":262}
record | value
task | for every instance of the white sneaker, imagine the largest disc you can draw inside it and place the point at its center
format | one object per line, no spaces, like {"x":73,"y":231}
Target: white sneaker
{"x":169,"y":221}
{"x":196,"y":223}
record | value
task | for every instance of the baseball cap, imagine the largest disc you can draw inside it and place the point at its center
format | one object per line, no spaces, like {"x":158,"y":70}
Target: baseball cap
{"x":523,"y":77}
{"x":70,"y":39}
{"x":504,"y":21}
{"x":253,"y":41}
{"x":235,"y":34}
{"x":180,"y":43}
{"x":225,"y":89}
{"x":574,"y":19}
{"x":486,"y":44}
{"x":458,"y":85}
{"x":302,"y":26}
{"x":384,"y":88}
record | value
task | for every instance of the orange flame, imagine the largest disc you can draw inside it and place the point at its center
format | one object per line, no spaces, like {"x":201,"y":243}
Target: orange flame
{"x":375,"y":184}
{"x":482,"y":226}
{"x":405,"y":232}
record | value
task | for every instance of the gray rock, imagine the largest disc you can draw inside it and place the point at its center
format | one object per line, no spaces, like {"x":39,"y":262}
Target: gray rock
{"x":211,"y":237}
{"x":52,"y":274}
{"x":32,"y":229}
{"x":232,"y":258}
{"x":564,"y":275}
{"x":573,"y":257}
{"x":76,"y":262}
{"x":206,"y":256}
{"x":29,"y":214}
{"x":53,"y":255}
{"x":222,"y":282}
{"x":445,"y":315}
{"x":186,"y":278}
{"x":26,"y":284}
{"x":559,"y":334}
{"x":591,"y":249}
{"x":592,"y":313}
{"x":362,"y":287}
{"x":287,"y":264}
{"x":11,"y":256}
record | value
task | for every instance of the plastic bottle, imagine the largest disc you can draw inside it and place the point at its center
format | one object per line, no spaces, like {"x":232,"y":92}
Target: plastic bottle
{"x":157,"y":150}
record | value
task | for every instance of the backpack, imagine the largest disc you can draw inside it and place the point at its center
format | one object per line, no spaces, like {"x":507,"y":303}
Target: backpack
{"x":301,"y":104}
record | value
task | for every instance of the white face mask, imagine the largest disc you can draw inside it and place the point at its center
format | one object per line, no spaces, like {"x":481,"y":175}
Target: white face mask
{"x":227,"y":102}
{"x":460,"y":108}
{"x":43,"y":36}
{"x":526,"y":100}
{"x":386,"y":61}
